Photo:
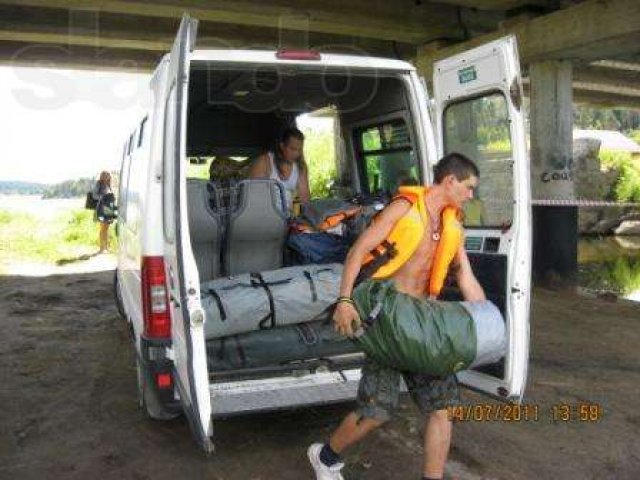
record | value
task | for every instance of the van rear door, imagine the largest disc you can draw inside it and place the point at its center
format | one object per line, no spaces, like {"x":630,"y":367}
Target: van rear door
{"x":189,"y":356}
{"x":479,"y":112}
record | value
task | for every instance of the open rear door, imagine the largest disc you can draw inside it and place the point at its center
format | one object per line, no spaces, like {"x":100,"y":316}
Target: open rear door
{"x":190,"y":375}
{"x":479,"y":112}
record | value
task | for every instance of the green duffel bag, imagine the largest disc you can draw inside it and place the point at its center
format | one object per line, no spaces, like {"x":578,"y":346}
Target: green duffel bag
{"x":428,"y":336}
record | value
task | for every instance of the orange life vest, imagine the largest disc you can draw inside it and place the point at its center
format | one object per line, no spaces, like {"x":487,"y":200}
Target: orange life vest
{"x":404,"y":238}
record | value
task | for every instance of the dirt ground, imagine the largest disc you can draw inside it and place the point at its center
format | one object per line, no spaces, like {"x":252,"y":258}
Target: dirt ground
{"x":69,"y":402}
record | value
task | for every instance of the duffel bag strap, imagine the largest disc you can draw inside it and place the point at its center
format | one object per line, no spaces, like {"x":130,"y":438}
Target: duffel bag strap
{"x":218,"y":300}
{"x":258,"y":281}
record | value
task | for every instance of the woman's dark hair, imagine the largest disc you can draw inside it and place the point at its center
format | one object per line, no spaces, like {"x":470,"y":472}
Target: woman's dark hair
{"x":289,"y":132}
{"x":285,"y":135}
{"x":455,"y":164}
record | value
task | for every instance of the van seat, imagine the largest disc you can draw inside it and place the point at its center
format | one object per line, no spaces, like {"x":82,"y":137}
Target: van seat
{"x":206,"y":228}
{"x":224,"y":193}
{"x":257,"y":228}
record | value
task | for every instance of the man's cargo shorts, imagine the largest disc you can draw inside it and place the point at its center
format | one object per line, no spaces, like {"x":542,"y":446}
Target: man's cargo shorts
{"x":379,"y":390}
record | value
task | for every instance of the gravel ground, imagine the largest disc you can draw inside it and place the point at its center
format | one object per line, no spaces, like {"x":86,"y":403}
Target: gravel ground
{"x":68,"y":392}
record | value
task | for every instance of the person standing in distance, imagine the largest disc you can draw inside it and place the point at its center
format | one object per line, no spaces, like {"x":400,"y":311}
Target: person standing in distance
{"x":101,"y":189}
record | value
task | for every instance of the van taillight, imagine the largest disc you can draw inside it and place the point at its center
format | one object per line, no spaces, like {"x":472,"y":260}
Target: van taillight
{"x":155,"y":305}
{"x":163,"y":380}
{"x":291,"y":54}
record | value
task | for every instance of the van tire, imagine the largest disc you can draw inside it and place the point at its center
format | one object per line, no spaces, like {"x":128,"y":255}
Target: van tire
{"x":117,"y":293}
{"x":148,"y":399}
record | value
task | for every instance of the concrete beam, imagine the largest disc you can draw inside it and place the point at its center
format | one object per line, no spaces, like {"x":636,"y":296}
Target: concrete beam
{"x":626,"y":82}
{"x":591,"y":96}
{"x":110,"y":55}
{"x":497,"y":4}
{"x":617,"y":65}
{"x":605,"y":100}
{"x":77,"y":57}
{"x":57,"y":27}
{"x":412,"y":23}
{"x":592,"y":30}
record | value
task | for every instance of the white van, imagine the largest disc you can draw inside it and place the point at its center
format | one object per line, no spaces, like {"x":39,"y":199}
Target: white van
{"x":207,"y":104}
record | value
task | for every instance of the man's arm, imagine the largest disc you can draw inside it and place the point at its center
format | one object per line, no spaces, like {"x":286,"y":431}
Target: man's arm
{"x":467,"y":281}
{"x":346,"y":314}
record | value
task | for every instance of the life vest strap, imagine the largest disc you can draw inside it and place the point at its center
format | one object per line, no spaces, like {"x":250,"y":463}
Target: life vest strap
{"x":382,"y":254}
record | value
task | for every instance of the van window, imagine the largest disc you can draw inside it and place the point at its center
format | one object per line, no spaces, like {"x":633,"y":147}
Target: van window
{"x":387,"y":156}
{"x":320,"y":152}
{"x":143,"y":124}
{"x":122,"y":187}
{"x":127,"y":197}
{"x":132,"y":140}
{"x":198,"y":167}
{"x":480,"y":129}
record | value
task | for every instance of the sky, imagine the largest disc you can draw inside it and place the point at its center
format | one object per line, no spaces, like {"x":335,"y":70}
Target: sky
{"x":65,"y":124}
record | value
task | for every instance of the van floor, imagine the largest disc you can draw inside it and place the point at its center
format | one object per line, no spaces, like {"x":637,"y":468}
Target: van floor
{"x":69,"y":402}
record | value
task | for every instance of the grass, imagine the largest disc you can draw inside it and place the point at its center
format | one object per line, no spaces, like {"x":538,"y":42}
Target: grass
{"x":627,"y":187}
{"x":634,"y":135}
{"x":621,"y":275}
{"x":28,"y":237}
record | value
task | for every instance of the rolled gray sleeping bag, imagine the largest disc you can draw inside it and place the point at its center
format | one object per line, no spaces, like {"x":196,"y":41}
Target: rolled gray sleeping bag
{"x":260,"y":301}
{"x":277,"y":346}
{"x":491,"y":338}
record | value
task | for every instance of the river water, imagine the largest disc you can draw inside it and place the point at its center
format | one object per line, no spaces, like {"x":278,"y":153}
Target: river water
{"x":610,"y":264}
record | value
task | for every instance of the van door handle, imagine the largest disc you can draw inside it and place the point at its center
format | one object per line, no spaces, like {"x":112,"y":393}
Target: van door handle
{"x":174,"y":300}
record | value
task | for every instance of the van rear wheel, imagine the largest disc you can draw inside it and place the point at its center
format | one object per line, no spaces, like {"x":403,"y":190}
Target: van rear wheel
{"x":148,"y":399}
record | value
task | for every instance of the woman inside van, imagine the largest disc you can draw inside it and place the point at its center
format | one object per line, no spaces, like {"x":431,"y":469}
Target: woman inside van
{"x":286,"y":165}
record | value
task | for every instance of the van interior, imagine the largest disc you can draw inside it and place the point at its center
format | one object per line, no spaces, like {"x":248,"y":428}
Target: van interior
{"x":360,"y":145}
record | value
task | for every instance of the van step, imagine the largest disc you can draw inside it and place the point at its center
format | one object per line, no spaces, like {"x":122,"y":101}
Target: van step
{"x":232,"y":398}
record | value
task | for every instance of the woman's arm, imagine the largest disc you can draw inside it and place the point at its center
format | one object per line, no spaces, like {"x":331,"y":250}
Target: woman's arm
{"x":303,"y":186}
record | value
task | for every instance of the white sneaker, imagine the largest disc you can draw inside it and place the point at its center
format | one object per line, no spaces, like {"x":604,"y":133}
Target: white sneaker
{"x":322,"y":471}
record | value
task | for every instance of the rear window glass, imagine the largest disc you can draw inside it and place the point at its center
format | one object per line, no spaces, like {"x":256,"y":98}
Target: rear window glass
{"x":480,"y":129}
{"x":387,"y":157}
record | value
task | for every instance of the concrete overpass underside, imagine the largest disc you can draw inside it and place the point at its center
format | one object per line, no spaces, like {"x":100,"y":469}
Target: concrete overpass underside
{"x":601,"y":38}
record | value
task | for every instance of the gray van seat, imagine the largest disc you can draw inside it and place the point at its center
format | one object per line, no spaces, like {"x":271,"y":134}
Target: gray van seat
{"x":205,"y":227}
{"x":257,"y":229}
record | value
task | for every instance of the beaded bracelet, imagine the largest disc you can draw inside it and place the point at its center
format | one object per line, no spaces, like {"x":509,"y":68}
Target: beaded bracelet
{"x":345,"y":300}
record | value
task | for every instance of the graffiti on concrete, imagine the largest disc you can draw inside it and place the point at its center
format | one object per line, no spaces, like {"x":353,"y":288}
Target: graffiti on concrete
{"x":556,"y":176}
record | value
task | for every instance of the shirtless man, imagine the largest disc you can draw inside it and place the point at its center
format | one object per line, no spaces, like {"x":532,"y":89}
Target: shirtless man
{"x":455,"y":177}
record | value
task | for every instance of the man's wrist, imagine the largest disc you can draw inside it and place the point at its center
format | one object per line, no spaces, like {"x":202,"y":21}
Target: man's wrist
{"x":345,"y":299}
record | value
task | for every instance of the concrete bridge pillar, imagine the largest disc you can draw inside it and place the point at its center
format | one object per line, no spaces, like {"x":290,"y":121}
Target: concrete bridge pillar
{"x":555,"y":229}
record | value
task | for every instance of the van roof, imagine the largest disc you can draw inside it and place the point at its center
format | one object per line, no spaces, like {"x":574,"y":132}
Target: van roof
{"x":327,"y":59}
